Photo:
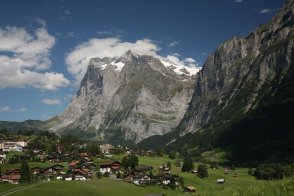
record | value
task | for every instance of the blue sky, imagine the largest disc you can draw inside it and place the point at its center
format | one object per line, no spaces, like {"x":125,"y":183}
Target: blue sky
{"x":45,"y":44}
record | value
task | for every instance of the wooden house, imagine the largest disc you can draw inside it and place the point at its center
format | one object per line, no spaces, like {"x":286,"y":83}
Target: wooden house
{"x":11,"y":176}
{"x":110,"y":166}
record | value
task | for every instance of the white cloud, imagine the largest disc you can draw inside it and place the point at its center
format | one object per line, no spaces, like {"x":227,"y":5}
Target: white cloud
{"x":238,"y":1}
{"x":78,"y":59}
{"x":51,"y":101}
{"x":24,"y":57}
{"x":5,"y":109}
{"x":172,"y":44}
{"x":41,"y":22}
{"x":263,"y":11}
{"x":22,"y":110}
{"x":190,"y":62}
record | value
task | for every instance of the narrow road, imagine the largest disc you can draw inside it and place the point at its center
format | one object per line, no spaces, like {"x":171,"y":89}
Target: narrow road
{"x":16,"y":190}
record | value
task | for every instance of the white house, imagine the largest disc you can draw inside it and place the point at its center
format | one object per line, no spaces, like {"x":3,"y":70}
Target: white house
{"x":2,"y":157}
{"x":11,"y":146}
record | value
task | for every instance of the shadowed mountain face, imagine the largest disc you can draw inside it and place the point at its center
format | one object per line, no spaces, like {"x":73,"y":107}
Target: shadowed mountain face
{"x":240,"y":95}
{"x":131,"y":97}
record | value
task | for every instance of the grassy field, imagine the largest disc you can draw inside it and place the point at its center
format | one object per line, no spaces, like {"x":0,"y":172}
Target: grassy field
{"x":244,"y":184}
{"x":107,"y":186}
{"x":6,"y":186}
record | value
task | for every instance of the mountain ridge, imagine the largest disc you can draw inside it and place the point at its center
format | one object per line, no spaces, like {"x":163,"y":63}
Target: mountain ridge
{"x":244,"y":80}
{"x":128,"y":98}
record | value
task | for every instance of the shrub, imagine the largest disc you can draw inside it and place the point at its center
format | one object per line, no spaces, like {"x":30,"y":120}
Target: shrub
{"x":99,"y":175}
{"x":106,"y":174}
{"x":202,"y":171}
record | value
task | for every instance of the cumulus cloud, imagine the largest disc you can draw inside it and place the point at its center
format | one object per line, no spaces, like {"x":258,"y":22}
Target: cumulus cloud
{"x":263,"y":11}
{"x":5,"y":109}
{"x":78,"y":59}
{"x":51,"y":101}
{"x":24,"y":57}
{"x":190,"y":62}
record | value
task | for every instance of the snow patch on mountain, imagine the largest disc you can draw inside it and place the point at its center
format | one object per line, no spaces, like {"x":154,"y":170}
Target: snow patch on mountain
{"x":180,"y":69}
{"x":119,"y":65}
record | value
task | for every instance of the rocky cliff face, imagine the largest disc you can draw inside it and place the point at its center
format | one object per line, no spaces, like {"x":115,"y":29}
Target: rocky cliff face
{"x":242,"y":72}
{"x":130,"y":97}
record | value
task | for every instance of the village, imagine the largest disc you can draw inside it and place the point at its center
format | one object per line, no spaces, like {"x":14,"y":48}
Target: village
{"x":84,"y":165}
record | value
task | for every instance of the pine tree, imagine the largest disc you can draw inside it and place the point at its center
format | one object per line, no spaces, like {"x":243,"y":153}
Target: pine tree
{"x":187,"y":165}
{"x":25,"y":172}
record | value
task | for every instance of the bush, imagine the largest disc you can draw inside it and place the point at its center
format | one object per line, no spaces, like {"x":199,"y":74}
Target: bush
{"x":106,"y":174}
{"x":178,"y":163}
{"x":273,"y":171}
{"x":99,"y":175}
{"x":118,"y":175}
{"x":202,"y":171}
{"x":250,"y":172}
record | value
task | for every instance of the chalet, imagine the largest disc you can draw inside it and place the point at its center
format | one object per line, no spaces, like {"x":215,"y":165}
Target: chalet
{"x":129,"y":178}
{"x":190,"y":189}
{"x":52,"y":158}
{"x":2,"y":157}
{"x":52,"y":170}
{"x":60,"y":148}
{"x":141,"y":179}
{"x":165,"y":168}
{"x":36,"y":170}
{"x":106,"y":148}
{"x":85,"y":155}
{"x":11,"y":146}
{"x":2,"y":160}
{"x":11,"y":176}
{"x":78,"y":177}
{"x":42,"y":156}
{"x":166,"y":178}
{"x":22,"y":143}
{"x":143,"y":168}
{"x":89,"y":165}
{"x":82,"y":172}
{"x":110,"y":166}
{"x":66,"y":157}
{"x":74,"y":163}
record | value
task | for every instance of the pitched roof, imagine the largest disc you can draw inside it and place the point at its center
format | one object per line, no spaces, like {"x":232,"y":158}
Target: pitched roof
{"x":73,"y":163}
{"x":109,"y":162}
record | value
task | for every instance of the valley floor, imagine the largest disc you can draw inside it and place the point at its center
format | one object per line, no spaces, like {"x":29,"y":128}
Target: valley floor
{"x":237,"y":182}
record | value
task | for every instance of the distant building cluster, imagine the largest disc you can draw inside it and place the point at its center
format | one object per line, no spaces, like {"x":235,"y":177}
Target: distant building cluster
{"x":13,"y":145}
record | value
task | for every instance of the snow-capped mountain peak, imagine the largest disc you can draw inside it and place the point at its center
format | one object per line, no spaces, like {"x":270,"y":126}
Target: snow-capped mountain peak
{"x":180,"y":69}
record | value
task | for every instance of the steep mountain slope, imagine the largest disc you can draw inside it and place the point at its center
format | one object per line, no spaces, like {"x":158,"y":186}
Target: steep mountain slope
{"x":242,"y":88}
{"x":130,"y":97}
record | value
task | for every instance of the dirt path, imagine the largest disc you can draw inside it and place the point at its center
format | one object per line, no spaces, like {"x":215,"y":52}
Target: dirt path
{"x":16,"y":190}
